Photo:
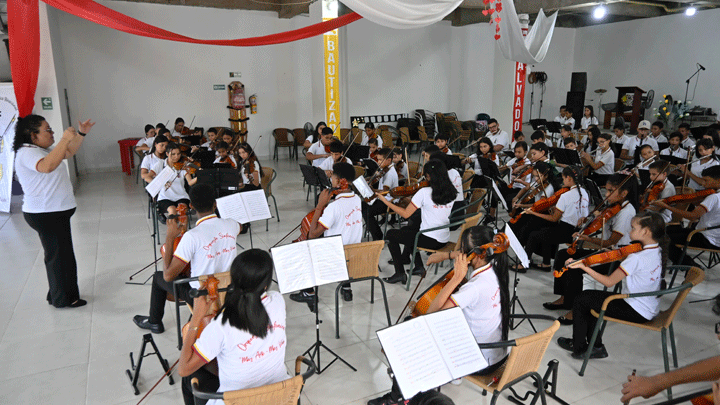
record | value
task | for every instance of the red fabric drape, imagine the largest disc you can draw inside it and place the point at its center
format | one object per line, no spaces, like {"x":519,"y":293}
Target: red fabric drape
{"x":24,"y":33}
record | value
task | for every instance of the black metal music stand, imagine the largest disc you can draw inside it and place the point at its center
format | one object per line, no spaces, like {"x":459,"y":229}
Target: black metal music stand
{"x":514,"y":299}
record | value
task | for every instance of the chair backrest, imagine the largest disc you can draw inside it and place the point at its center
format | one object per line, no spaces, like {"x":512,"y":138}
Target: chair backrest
{"x":619,"y":164}
{"x":693,"y":277}
{"x":387,"y":138}
{"x":281,"y":393}
{"x":268,"y":176}
{"x":526,"y":356}
{"x":224,"y":282}
{"x":404,"y":135}
{"x":299,"y":135}
{"x":355,"y":136}
{"x":475,"y":203}
{"x":467,"y":179}
{"x":469,"y":223}
{"x":422,"y":134}
{"x":413,"y":168}
{"x":344,"y":132}
{"x":363,"y":258}
{"x":359,"y":171}
{"x":281,"y":134}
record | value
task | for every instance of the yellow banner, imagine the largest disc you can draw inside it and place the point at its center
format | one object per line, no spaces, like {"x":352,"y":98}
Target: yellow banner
{"x":332,"y":79}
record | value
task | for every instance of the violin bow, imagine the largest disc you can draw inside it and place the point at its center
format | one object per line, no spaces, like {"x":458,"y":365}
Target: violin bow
{"x":471,"y":144}
{"x":191,"y":122}
{"x":687,"y":164}
{"x":360,"y":131}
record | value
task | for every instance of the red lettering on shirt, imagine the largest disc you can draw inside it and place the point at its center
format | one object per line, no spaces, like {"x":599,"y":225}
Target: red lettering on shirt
{"x":354,"y":210}
{"x":243,"y":346}
{"x":247,"y":359}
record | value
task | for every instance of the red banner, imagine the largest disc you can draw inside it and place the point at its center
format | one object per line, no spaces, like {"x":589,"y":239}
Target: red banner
{"x":519,"y":97}
{"x":24,"y":30}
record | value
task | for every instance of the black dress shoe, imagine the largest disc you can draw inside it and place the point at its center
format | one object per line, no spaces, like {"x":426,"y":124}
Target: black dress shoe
{"x":552,"y":306}
{"x":418,"y":271}
{"x":403,"y":261}
{"x":565,"y":321}
{"x":396,"y":278}
{"x":566,"y":343}
{"x":597,"y":353}
{"x":347,"y":294}
{"x":245,"y":228}
{"x":143,"y":322}
{"x":302,"y":296}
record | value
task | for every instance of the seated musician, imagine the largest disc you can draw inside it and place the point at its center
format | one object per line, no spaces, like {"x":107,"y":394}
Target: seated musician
{"x":687,"y":140}
{"x":222,"y":150}
{"x":435,"y":204}
{"x":499,"y":138}
{"x":646,"y":153}
{"x":555,"y":228}
{"x":174,"y":191}
{"x":315,"y":136}
{"x":458,"y":208}
{"x":341,"y":216}
{"x":336,"y":153}
{"x":374,"y":207}
{"x":518,"y":166}
{"x":659,"y":175}
{"x":156,"y":155}
{"x":590,"y":144}
{"x":561,"y":115}
{"x":441,"y":141}
{"x":373,"y":149}
{"x":486,"y":286}
{"x":642,"y":270}
{"x":628,"y":149}
{"x":485,"y":164}
{"x":544,"y":177}
{"x":401,"y":166}
{"x":602,"y":161}
{"x":569,"y":120}
{"x":674,"y":149}
{"x":199,"y":247}
{"x":159,"y":126}
{"x":565,"y":133}
{"x":210,"y":144}
{"x":250,"y":324}
{"x":615,"y":233}
{"x":537,"y":136}
{"x":705,"y":155}
{"x":519,"y":137}
{"x":145,"y":144}
{"x":178,"y":128}
{"x":656,"y":132}
{"x":588,"y":119}
{"x":707,"y":213}
{"x":619,"y":135}
{"x":317,"y":152}
{"x":369,"y":134}
{"x":250,"y":168}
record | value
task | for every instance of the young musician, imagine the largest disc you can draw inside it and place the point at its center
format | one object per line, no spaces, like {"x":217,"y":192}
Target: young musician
{"x":200,"y":247}
{"x":587,"y":119}
{"x":591,"y":140}
{"x":675,"y":149}
{"x":537,"y":136}
{"x":485,"y":149}
{"x":145,"y":144}
{"x":603,"y":161}
{"x":250,"y":168}
{"x":223,"y":155}
{"x":642,"y":270}
{"x":315,"y":136}
{"x":684,"y":130}
{"x":561,"y":223}
{"x":499,"y":138}
{"x":707,"y":214}
{"x":373,"y":149}
{"x":543,"y":177}
{"x":342,"y":216}
{"x":628,"y":152}
{"x":336,"y":151}
{"x":319,"y":151}
{"x":441,"y":141}
{"x":519,"y":137}
{"x":250,"y":324}
{"x":656,"y":132}
{"x":174,"y":191}
{"x":705,"y":153}
{"x":156,"y":155}
{"x":518,"y":165}
{"x":569,"y":120}
{"x":484,"y":299}
{"x":615,"y":232}
{"x":659,"y":175}
{"x":458,"y":208}
{"x":646,"y":153}
{"x":619,"y":136}
{"x":485,"y":163}
{"x":566,"y":133}
{"x":371,"y":134}
{"x":401,"y":166}
{"x":159,"y":126}
{"x":211,"y":140}
{"x":561,"y":115}
{"x":570,"y":144}
{"x":435,"y":204}
{"x":374,"y":207}
{"x":178,"y":128}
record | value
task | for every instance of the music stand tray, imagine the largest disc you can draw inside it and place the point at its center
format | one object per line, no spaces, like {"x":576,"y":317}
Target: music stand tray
{"x":357,"y":152}
{"x":553,"y":127}
{"x":566,"y":156}
{"x":538,"y":123}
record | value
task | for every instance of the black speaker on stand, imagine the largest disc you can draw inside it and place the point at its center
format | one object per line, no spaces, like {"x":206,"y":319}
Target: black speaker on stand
{"x":575,"y":102}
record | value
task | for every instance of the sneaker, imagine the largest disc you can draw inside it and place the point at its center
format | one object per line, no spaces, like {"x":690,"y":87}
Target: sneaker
{"x":302,"y":296}
{"x":597,"y":353}
{"x":388,"y":399}
{"x":143,"y":322}
{"x":346,"y":294}
{"x":456,"y":381}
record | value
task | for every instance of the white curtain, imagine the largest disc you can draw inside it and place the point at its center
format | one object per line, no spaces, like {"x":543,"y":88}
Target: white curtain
{"x":403,"y":14}
{"x":530,"y":49}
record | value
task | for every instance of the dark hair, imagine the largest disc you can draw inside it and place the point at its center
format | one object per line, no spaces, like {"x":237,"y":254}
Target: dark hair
{"x":158,"y":139}
{"x":541,"y":147}
{"x":619,"y":126}
{"x":563,"y":107}
{"x":574,"y":172}
{"x":336,"y":146}
{"x":607,"y":137}
{"x":369,"y":125}
{"x":202,"y":197}
{"x":251,"y":275}
{"x":658,"y":124}
{"x":344,"y":170}
{"x":537,"y":135}
{"x":327,"y":131}
{"x":547,"y":171}
{"x":316,"y":133}
{"x":222,"y":145}
{"x":442,"y":136}
{"x":372,"y":141}
{"x":706,"y":144}
{"x":492,"y":121}
{"x":592,"y":111}
{"x":660,"y":165}
{"x":486,"y":141}
{"x":249,"y":150}
{"x":164,"y":131}
{"x":570,"y":139}
{"x":645,"y":147}
{"x":213,"y":130}
{"x":566,"y":128}
{"x":713,"y":134}
{"x":171,"y":146}
{"x":655,"y":222}
{"x":443,"y":191}
{"x":477,"y":236}
{"x":431,"y":397}
{"x":675,"y":134}
{"x":384,"y":152}
{"x":160,"y":125}
{"x":24,"y":130}
{"x":179,"y":120}
{"x":712,"y":172}
{"x":684,"y":125}
{"x":521,"y":144}
{"x":631,"y":186}
{"x":595,"y":133}
{"x":431,"y":148}
{"x":518,"y":134}
{"x":148,"y":127}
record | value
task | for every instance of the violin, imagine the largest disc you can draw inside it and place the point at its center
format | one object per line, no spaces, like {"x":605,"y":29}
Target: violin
{"x":211,"y":284}
{"x":688,"y":198}
{"x":227,"y":160}
{"x":445,"y":150}
{"x":379,"y":173}
{"x":651,"y":195}
{"x":605,"y":257}
{"x":543,"y":205}
{"x":499,"y":244}
{"x":703,"y":400}
{"x":595,"y":224}
{"x":182,"y":211}
{"x":374,"y":155}
{"x":407,"y":191}
{"x":307,"y":220}
{"x":523,"y":174}
{"x":536,"y":189}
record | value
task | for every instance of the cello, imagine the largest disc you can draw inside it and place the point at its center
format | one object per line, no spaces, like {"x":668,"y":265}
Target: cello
{"x":307,"y":220}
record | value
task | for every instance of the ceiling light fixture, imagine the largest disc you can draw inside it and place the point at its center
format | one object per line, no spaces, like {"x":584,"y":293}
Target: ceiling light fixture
{"x":599,"y":12}
{"x":690,"y":11}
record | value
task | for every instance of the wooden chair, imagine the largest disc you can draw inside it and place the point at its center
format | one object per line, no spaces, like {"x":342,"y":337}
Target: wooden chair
{"x":299,"y":140}
{"x":525,"y":356}
{"x":363,"y":261}
{"x":282,"y":139}
{"x":661,"y":323}
{"x":359,"y":171}
{"x":619,"y":165}
{"x":405,"y":138}
{"x":282,"y":393}
{"x":266,"y":180}
{"x":450,"y":246}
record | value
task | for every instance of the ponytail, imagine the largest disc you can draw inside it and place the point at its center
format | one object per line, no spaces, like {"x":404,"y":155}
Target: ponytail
{"x":655,"y":222}
{"x":576,"y":174}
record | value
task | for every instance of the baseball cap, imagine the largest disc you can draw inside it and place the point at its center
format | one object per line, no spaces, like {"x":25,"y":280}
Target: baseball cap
{"x":644,"y":124}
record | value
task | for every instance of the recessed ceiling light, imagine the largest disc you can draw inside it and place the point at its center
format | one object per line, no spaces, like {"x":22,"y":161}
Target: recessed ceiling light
{"x":599,"y":12}
{"x":690,"y":11}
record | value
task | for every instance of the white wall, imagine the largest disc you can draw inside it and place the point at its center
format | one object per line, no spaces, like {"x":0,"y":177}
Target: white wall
{"x":655,"y":53}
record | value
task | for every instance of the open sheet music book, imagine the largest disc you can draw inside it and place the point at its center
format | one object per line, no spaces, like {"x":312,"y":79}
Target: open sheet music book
{"x":310,"y":263}
{"x":159,"y":181}
{"x":363,"y":188}
{"x":431,"y":350}
{"x":244,"y":207}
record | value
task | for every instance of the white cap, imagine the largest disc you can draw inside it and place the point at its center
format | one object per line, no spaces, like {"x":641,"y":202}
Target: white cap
{"x":644,"y":124}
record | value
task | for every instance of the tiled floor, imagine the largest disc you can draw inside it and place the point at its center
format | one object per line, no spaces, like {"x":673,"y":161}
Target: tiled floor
{"x":78,"y":356}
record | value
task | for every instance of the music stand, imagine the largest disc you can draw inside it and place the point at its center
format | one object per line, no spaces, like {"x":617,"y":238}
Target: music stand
{"x":453,"y":162}
{"x":566,"y":156}
{"x":644,"y":178}
{"x":315,"y":178}
{"x":674,"y":160}
{"x":539,"y":123}
{"x":617,"y":148}
{"x":205,"y":157}
{"x":594,"y":191}
{"x":663,"y":145}
{"x":553,"y":128}
{"x":515,"y":300}
{"x":193,"y":140}
{"x":224,"y":181}
{"x":357,"y":152}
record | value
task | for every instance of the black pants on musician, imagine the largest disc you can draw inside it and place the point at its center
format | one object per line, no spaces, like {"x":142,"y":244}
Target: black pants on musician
{"x":208,"y":382}
{"x":545,"y":241}
{"x":60,"y":264}
{"x":679,"y":236}
{"x":458,"y":210}
{"x":570,"y":284}
{"x":163,"y":205}
{"x":482,"y":182}
{"x":406,"y":236}
{"x":584,"y":322}
{"x":370,"y":212}
{"x":527,"y":224}
{"x":158,"y":296}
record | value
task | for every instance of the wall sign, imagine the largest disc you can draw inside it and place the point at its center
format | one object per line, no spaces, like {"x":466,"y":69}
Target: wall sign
{"x":218,"y":87}
{"x":46,"y":103}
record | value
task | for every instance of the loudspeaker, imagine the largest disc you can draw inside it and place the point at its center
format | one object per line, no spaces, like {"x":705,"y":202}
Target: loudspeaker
{"x":578,"y":82}
{"x":575,"y":102}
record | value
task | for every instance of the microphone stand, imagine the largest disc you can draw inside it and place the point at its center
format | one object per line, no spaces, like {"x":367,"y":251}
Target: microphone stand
{"x":687,"y":85}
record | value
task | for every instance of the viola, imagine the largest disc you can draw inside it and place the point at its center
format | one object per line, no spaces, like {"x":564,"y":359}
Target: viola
{"x":543,"y":205}
{"x":211,"y":284}
{"x":688,"y":198}
{"x":652,"y":194}
{"x":445,"y":150}
{"x":595,"y":224}
{"x":499,"y":244}
{"x":605,"y":257}
{"x":227,"y":160}
{"x":307,"y":220}
{"x":406,"y":191}
{"x":182,"y":211}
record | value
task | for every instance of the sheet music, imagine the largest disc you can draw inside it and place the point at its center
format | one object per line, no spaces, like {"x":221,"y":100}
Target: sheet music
{"x":233,"y":207}
{"x":256,"y":205}
{"x":328,"y":260}
{"x":293,"y":266}
{"x":415,"y":359}
{"x":456,"y":342}
{"x":517,"y":247}
{"x":159,"y":181}
{"x":363,"y":188}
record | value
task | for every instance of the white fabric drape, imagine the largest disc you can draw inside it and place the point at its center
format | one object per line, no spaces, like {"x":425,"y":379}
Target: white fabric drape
{"x":403,"y":14}
{"x":530,"y":49}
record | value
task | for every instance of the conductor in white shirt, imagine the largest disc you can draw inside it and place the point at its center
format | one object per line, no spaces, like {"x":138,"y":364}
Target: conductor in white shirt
{"x":49,"y":201}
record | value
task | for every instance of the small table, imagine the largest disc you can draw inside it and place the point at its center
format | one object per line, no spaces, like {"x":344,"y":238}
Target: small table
{"x":127,"y":158}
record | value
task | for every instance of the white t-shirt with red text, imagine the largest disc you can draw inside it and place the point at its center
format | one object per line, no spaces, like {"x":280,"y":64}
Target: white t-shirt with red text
{"x":432,"y":215}
{"x":343,"y":217}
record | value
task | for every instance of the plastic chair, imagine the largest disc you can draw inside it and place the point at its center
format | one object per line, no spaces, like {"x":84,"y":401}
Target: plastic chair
{"x":282,"y":139}
{"x":281,"y":393}
{"x":450,"y":246}
{"x":266,"y":180}
{"x":525,"y":356}
{"x":712,"y":260}
{"x":661,"y":323}
{"x":299,"y":139}
{"x":363,"y":261}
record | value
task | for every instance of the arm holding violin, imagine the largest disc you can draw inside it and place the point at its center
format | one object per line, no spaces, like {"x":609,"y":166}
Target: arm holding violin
{"x":190,"y":361}
{"x":611,"y":241}
{"x":442,"y":300}
{"x":171,"y":268}
{"x":607,"y":281}
{"x":316,"y":229}
{"x":693,"y":215}
{"x":190,"y":180}
{"x":403,"y":212}
{"x":554,"y":217}
{"x":646,"y":387}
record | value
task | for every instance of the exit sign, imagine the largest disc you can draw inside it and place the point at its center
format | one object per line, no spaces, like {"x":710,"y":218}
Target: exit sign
{"x":46,"y":103}
{"x":218,"y":87}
